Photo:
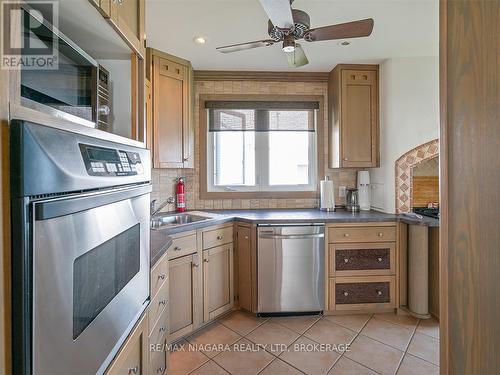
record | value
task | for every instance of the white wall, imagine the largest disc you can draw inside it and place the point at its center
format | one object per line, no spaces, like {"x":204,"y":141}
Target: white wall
{"x":409,"y":117}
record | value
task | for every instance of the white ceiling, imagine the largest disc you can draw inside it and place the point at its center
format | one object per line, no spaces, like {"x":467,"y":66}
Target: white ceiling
{"x":403,"y":28}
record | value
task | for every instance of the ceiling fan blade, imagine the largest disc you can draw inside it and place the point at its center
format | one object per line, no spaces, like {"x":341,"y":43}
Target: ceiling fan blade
{"x":346,"y":30}
{"x":279,"y":12}
{"x":297,"y":58}
{"x":244,"y":46}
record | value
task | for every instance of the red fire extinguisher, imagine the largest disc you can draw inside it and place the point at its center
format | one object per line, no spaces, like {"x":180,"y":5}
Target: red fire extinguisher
{"x":181,"y":199}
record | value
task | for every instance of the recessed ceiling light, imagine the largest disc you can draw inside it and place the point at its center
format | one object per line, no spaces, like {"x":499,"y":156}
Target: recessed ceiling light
{"x":200,"y":40}
{"x":344,"y":43}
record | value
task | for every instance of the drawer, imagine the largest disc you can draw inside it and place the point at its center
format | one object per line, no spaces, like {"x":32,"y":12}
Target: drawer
{"x":171,"y":68}
{"x":217,"y":237}
{"x":158,"y":331}
{"x":359,"y":293}
{"x":158,"y":362}
{"x":158,"y":305}
{"x":362,"y":234}
{"x":181,"y":246}
{"x":358,"y":259}
{"x":159,"y":275}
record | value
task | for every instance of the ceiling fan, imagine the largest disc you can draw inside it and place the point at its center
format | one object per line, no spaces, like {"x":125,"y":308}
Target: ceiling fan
{"x":288,"y":25}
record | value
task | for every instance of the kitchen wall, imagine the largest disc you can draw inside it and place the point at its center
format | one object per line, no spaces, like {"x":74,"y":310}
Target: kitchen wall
{"x":409,"y":116}
{"x":164,"y":179}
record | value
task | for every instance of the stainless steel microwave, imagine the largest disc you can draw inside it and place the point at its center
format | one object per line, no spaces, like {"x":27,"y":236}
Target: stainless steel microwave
{"x":68,"y":91}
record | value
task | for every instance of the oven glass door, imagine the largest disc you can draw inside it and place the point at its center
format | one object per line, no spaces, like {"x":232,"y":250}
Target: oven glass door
{"x":90,"y":281}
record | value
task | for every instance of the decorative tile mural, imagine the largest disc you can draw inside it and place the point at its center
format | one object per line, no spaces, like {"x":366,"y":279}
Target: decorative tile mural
{"x":404,"y":172}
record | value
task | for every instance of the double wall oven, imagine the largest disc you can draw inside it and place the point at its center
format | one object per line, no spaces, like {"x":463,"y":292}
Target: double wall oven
{"x":80,"y":235}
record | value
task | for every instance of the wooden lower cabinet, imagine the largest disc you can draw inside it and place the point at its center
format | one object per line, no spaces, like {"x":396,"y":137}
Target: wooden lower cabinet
{"x":244,"y":248}
{"x":132,"y":357}
{"x":217,"y":281}
{"x":185,"y":305}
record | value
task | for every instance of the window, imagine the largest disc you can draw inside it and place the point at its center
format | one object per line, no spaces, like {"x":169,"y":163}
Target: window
{"x":259,"y":146}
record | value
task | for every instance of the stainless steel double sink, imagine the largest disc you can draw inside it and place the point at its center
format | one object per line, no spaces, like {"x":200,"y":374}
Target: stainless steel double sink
{"x":163,"y":221}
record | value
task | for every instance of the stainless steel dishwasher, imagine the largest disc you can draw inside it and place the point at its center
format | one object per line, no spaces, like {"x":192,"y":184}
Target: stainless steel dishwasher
{"x":290,"y":268}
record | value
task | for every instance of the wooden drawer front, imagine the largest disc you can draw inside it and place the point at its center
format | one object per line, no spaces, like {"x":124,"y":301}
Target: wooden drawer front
{"x":217,"y":237}
{"x":362,"y":234}
{"x":182,"y":246}
{"x":158,"y":329}
{"x":353,"y":293}
{"x":362,"y":259}
{"x":158,"y":361}
{"x":158,"y":305}
{"x":159,"y":275}
{"x":171,"y":69}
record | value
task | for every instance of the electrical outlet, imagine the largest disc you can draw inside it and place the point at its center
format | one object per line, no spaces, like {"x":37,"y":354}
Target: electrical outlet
{"x":342,"y":192}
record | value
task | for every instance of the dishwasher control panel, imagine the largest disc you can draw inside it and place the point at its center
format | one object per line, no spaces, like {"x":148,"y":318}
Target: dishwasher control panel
{"x":110,"y":162}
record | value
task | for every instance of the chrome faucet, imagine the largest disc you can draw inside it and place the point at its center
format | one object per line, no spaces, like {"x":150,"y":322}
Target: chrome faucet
{"x":155,"y":210}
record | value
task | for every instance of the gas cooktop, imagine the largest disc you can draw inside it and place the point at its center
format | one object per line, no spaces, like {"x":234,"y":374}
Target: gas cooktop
{"x":430,"y":212}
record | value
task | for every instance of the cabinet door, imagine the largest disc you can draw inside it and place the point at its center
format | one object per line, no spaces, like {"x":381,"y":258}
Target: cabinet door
{"x":244,"y":268}
{"x":148,"y":108}
{"x":170,"y":113}
{"x":217,"y":281}
{"x":185,"y":296}
{"x":359,"y":121}
{"x":129,"y":17}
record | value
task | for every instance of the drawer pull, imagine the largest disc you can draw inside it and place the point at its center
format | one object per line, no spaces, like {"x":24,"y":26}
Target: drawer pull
{"x":195,"y":264}
{"x":380,"y":234}
{"x":177,"y":248}
{"x":219,"y":238}
{"x":379,"y":259}
{"x":346,"y":294}
{"x":346,"y":260}
{"x":162,"y":277}
{"x":160,"y":370}
{"x":163,"y":302}
{"x":133,"y":370}
{"x":346,"y":234}
{"x":162,"y":329}
{"x":379,"y":292}
{"x":206,"y":260}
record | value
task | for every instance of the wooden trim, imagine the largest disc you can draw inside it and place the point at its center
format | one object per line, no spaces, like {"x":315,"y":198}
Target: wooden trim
{"x":204,"y":194}
{"x":151,"y":52}
{"x":218,"y":75}
{"x":444,"y":344}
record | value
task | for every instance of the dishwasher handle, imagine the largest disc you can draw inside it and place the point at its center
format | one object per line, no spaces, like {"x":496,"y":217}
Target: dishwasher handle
{"x":292,"y":236}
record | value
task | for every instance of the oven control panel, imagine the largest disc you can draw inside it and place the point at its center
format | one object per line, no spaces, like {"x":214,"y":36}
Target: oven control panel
{"x":109,"y":162}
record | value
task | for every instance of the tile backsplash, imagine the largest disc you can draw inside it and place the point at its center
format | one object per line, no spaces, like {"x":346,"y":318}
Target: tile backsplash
{"x":164,"y":180}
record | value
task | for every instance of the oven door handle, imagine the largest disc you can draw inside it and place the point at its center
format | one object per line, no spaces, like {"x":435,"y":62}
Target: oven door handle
{"x":67,"y":206}
{"x":292,"y":236}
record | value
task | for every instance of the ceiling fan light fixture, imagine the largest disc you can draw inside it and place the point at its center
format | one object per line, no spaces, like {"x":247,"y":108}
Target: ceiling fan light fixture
{"x":288,"y":44}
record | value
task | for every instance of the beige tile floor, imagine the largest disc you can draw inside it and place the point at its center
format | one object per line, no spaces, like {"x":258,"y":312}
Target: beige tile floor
{"x":242,"y":344}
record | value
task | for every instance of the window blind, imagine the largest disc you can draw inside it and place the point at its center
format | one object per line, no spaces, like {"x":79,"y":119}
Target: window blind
{"x":261,"y":116}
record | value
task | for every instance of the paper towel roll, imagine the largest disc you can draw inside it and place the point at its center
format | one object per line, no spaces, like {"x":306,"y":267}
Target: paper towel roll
{"x":327,"y":198}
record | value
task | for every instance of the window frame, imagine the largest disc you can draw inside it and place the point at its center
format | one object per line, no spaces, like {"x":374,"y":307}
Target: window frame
{"x":243,"y":192}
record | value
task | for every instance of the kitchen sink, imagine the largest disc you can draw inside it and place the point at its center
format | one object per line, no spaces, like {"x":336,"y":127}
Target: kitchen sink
{"x":168,"y":221}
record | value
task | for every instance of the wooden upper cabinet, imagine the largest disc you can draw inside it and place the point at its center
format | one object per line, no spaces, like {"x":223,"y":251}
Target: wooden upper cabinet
{"x":354,"y":118}
{"x":128,"y":18}
{"x":173,"y":134}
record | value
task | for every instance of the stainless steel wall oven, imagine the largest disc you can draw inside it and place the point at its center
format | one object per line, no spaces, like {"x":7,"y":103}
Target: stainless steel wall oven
{"x":80,"y":237}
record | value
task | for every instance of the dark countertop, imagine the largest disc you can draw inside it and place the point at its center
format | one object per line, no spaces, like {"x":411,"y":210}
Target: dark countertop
{"x":160,"y":239}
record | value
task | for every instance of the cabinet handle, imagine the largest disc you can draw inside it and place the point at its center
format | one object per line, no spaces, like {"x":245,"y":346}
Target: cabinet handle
{"x":160,"y":370}
{"x":185,"y":159}
{"x":219,"y":238}
{"x":379,"y":292}
{"x":195,"y":264}
{"x":177,"y":248}
{"x":346,"y":260}
{"x":346,"y":294}
{"x":162,"y":277}
{"x":346,"y":234}
{"x":345,"y":159}
{"x":380,"y":234}
{"x":379,"y":259}
{"x":246,"y":237}
{"x":133,"y":370}
{"x":163,"y":302}
{"x":206,"y":260}
{"x":163,"y":329}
